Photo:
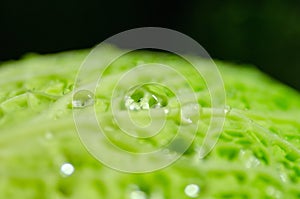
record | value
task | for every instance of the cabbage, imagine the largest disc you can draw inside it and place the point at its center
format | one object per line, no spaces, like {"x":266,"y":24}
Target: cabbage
{"x":257,"y":154}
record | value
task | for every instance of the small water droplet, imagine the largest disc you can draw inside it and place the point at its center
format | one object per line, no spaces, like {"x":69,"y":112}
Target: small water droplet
{"x":188,"y":113}
{"x":82,"y":98}
{"x":48,"y":135}
{"x":109,"y":129}
{"x":192,"y":190}
{"x":282,"y":173}
{"x":140,"y":62}
{"x":169,"y":154}
{"x":186,"y":120}
{"x":252,"y":162}
{"x":166,"y":111}
{"x":273,"y":192}
{"x":67,"y":169}
{"x":58,"y":114}
{"x":227,"y":109}
{"x":138,"y":194}
{"x":248,"y":158}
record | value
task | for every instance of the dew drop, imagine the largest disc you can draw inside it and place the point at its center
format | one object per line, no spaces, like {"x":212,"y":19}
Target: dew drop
{"x":282,"y":173}
{"x":48,"y":135}
{"x":227,"y":109}
{"x":82,"y":99}
{"x":252,"y":162}
{"x":188,"y":113}
{"x":145,"y":97}
{"x":166,"y":111}
{"x":138,"y":194}
{"x":186,"y":120}
{"x":192,"y":190}
{"x":67,"y":169}
{"x":283,"y":177}
{"x":169,"y":154}
{"x":140,"y":104}
{"x":248,"y":158}
{"x":140,"y":62}
{"x":273,"y":192}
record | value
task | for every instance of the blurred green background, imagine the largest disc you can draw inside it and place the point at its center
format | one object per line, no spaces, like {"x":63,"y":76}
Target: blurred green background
{"x":263,"y":33}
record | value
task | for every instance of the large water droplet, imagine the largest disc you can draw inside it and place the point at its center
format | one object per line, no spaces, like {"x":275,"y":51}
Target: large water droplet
{"x":147,"y":96}
{"x":67,"y":169}
{"x":82,"y":98}
{"x":138,"y":194}
{"x":192,"y":190}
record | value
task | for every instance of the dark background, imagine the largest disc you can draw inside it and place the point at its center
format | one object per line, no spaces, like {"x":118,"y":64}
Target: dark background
{"x":263,"y":33}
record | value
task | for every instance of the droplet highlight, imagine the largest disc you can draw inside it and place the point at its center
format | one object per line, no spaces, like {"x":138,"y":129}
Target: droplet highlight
{"x":192,"y":190}
{"x":67,"y":169}
{"x":82,"y":99}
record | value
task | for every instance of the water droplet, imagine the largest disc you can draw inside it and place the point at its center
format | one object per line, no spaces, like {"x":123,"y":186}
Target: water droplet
{"x":282,"y":173}
{"x":283,"y":177}
{"x":273,"y":192}
{"x":166,"y":111}
{"x":83,"y":98}
{"x":147,"y":96}
{"x":186,"y":120}
{"x":133,"y":105}
{"x":67,"y":169}
{"x":248,"y":158}
{"x":227,"y":109}
{"x":252,"y":162}
{"x":140,"y":62}
{"x":48,"y":135}
{"x":138,"y":194}
{"x":58,"y":114}
{"x":192,"y":190}
{"x":188,"y":113}
{"x":169,"y":154}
